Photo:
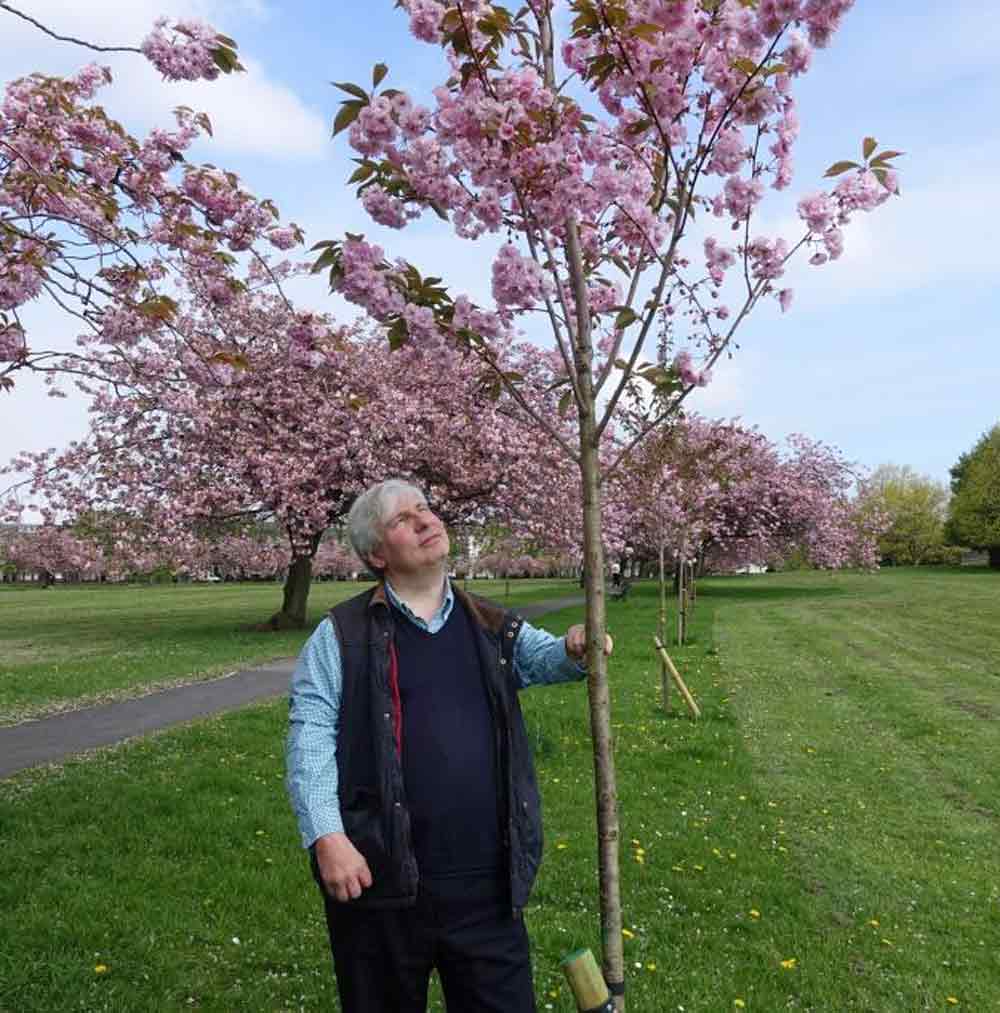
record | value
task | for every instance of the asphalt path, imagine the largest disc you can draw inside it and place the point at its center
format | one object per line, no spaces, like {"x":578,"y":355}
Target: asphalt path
{"x":54,"y":739}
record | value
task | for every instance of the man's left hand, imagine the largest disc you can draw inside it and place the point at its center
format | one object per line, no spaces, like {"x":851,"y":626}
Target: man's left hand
{"x":576,"y":643}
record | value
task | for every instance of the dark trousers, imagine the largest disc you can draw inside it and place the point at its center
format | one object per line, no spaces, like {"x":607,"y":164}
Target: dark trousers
{"x":461,"y":926}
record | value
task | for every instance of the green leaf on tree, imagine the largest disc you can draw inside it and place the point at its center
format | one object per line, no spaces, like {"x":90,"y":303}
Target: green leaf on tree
{"x":157,"y":307}
{"x":869,"y":146}
{"x":378,"y":74}
{"x":646,"y":30}
{"x":348,"y":114}
{"x":363,"y":172}
{"x":746,"y":65}
{"x":840,"y":167}
{"x":351,"y":89}
{"x":398,"y":334}
{"x":626,"y":317}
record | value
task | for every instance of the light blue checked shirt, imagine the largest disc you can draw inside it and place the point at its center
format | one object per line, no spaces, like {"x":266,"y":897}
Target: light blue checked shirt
{"x":311,"y":749}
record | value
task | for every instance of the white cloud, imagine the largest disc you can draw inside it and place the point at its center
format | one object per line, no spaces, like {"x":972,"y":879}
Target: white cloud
{"x":725,"y":396}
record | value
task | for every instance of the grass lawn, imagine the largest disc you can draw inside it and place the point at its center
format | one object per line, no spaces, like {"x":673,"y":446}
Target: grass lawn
{"x":70,"y":646}
{"x":824,"y":839}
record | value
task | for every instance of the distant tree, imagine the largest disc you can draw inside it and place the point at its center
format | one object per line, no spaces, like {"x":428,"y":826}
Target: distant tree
{"x":915,"y":508}
{"x":974,"y":513}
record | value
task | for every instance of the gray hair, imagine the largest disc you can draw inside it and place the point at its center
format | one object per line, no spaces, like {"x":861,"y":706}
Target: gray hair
{"x":365,"y":518}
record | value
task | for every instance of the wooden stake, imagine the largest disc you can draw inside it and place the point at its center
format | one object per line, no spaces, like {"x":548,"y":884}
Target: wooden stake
{"x":586,"y":981}
{"x":664,"y":675}
{"x":681,"y":618}
{"x":685,"y":692}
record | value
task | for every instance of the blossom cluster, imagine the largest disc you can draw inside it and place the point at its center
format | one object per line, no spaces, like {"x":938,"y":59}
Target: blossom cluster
{"x":518,"y":282}
{"x":184,"y":51}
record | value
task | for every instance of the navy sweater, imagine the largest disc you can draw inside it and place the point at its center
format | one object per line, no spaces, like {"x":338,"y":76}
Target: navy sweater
{"x":449,"y":752}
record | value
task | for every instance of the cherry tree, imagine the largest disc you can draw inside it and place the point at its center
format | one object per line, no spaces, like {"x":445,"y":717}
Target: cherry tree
{"x":593,"y":154}
{"x":49,"y":551}
{"x":718,"y":489}
{"x":250,"y":412}
{"x":800,"y":501}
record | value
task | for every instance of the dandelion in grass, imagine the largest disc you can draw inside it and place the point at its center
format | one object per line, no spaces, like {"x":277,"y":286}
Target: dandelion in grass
{"x":951,"y":1000}
{"x":100,"y":969}
{"x":754,"y":913}
{"x":790,"y":963}
{"x":651,"y":966}
{"x":739,"y":1003}
{"x":561,"y":846}
{"x":628,"y":933}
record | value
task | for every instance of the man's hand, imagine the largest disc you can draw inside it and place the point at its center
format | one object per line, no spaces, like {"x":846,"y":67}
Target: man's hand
{"x":342,"y":867}
{"x":576,"y":643}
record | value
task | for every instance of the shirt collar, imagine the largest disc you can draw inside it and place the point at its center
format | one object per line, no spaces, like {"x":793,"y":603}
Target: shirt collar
{"x":437,"y":620}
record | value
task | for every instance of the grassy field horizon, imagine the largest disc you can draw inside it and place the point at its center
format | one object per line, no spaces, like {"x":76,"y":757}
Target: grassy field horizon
{"x":822,"y":840}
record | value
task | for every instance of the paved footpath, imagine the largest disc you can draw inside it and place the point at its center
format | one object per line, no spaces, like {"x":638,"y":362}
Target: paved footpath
{"x":51,"y":740}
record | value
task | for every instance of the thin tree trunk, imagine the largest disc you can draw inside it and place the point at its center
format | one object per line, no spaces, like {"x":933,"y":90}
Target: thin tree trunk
{"x":662,"y":628}
{"x":605,"y":788}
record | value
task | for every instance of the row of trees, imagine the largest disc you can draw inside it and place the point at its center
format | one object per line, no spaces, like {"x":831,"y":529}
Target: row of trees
{"x":707,"y":490}
{"x":155,"y":487}
{"x":80,"y":551}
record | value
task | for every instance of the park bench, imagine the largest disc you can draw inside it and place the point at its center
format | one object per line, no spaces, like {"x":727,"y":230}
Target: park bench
{"x":621,"y":590}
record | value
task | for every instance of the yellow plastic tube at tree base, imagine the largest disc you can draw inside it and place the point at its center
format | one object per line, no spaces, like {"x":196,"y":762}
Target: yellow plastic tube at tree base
{"x":587,"y":984}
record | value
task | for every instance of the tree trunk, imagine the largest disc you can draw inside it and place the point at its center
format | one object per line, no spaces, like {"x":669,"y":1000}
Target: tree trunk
{"x":994,"y":554}
{"x":605,"y":789}
{"x":295,"y":596}
{"x":662,"y":629}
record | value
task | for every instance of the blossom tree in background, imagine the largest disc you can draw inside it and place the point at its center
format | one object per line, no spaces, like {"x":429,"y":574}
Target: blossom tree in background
{"x":248,"y":413}
{"x":592,"y":154}
{"x":720,"y":489}
{"x":105,"y":226}
{"x":50,"y":550}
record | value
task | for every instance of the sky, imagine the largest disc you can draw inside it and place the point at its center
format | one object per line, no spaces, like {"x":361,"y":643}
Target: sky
{"x":890,"y":354}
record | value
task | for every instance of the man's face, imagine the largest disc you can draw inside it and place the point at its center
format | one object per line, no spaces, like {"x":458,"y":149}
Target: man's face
{"x":413,"y":537}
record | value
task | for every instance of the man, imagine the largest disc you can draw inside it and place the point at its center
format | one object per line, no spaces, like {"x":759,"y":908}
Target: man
{"x":410,"y":772}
